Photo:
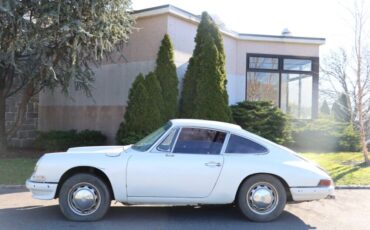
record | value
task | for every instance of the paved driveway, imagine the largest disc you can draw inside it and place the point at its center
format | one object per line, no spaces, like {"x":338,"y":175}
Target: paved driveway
{"x":351,"y":210}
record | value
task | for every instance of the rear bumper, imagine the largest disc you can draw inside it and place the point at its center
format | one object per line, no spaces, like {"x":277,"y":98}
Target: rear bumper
{"x":42,"y":191}
{"x":312,"y":193}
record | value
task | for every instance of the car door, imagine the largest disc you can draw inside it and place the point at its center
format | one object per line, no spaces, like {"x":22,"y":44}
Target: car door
{"x":186,"y":164}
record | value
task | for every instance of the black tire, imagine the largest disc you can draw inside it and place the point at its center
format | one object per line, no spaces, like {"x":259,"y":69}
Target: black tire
{"x":94,"y":185}
{"x":263,"y":183}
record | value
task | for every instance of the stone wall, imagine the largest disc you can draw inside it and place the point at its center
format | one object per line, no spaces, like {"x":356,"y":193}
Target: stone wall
{"x":27,"y":133}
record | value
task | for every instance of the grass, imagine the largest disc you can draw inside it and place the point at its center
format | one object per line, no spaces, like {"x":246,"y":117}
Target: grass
{"x":344,"y":168}
{"x":16,"y":170}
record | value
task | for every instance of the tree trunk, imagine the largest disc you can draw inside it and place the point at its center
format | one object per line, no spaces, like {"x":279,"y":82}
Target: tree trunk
{"x":362,"y":129}
{"x":27,"y":94}
{"x":3,"y":139}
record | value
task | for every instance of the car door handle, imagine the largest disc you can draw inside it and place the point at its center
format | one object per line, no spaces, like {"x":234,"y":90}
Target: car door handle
{"x":169,"y":155}
{"x":213,"y":164}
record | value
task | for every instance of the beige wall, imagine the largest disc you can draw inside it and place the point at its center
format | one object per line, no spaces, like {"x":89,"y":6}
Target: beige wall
{"x":104,"y":111}
{"x":294,"y":49}
{"x":144,"y":42}
{"x":103,"y":118}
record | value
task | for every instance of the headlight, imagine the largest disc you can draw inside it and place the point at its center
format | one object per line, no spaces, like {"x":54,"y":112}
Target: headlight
{"x":35,"y":169}
{"x":38,"y":178}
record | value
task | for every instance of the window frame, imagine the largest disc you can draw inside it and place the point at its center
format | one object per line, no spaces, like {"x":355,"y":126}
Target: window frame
{"x":250,"y":139}
{"x":314,"y":73}
{"x":222,"y":151}
{"x":175,"y":129}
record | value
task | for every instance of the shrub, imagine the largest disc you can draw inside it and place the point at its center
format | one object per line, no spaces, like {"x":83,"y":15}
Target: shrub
{"x":324,"y":135}
{"x":264,"y":119}
{"x":136,"y":117}
{"x":91,"y":138}
{"x":62,"y":140}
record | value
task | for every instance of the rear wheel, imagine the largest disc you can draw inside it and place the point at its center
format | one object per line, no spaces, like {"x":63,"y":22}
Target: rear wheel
{"x":84,"y":197}
{"x":262,"y":198}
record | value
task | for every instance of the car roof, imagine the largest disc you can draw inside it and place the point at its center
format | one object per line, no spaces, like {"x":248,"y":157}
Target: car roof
{"x":206,"y":124}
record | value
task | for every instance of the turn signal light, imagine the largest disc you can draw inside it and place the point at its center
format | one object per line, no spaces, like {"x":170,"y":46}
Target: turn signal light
{"x":325,"y":183}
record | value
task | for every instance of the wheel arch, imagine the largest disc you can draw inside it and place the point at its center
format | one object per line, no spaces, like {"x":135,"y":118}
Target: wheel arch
{"x":84,"y":169}
{"x":285,"y":184}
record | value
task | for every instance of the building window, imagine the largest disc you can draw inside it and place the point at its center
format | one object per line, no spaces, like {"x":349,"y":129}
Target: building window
{"x":263,"y":63}
{"x":263,"y":86}
{"x":297,"y":64}
{"x":286,"y":81}
{"x":296,"y":95}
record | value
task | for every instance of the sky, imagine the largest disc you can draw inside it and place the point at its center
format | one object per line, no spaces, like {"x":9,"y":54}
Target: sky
{"x":309,"y":18}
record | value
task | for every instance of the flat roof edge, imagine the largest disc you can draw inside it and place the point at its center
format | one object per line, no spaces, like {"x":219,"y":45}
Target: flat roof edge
{"x":170,"y":9}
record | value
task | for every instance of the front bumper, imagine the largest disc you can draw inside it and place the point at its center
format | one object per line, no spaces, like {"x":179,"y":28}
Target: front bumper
{"x":42,"y":191}
{"x":312,"y":193}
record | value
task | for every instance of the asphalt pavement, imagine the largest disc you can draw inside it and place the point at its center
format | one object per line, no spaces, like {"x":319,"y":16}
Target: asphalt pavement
{"x":350,"y":210}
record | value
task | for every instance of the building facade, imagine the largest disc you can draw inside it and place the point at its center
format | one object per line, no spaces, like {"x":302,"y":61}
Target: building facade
{"x":282,"y":69}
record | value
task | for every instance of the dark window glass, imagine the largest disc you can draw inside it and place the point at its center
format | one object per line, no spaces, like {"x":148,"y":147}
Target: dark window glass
{"x":263,"y":63}
{"x":199,"y":141}
{"x":297,"y":64}
{"x":242,"y":145}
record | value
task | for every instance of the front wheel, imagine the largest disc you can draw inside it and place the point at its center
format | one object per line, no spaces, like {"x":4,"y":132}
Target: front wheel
{"x":262,"y":198}
{"x":84,"y":197}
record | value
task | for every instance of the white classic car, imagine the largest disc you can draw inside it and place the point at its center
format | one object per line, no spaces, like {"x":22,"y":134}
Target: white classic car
{"x":185,"y":162}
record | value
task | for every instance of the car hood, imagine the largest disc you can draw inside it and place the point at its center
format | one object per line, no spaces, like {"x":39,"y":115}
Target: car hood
{"x":108,"y":150}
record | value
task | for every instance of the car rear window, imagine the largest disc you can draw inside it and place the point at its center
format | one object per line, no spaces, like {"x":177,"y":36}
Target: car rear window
{"x":239,"y":144}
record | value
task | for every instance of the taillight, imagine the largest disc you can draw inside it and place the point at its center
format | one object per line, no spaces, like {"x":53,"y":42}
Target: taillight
{"x":325,"y":183}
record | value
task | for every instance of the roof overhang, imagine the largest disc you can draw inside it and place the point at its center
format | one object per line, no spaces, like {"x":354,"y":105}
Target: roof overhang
{"x":173,"y":10}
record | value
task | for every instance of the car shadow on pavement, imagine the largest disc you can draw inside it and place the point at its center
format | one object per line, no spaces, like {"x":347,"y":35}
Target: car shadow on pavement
{"x":146,"y":217}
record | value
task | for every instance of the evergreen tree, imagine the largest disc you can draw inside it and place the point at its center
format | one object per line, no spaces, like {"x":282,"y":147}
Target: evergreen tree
{"x":264,"y":119}
{"x":55,"y":45}
{"x":167,"y":77}
{"x":341,"y":110}
{"x":325,"y":110}
{"x":204,"y":93}
{"x":210,"y":102}
{"x":135,"y":124}
{"x":155,"y":106}
{"x":187,"y":102}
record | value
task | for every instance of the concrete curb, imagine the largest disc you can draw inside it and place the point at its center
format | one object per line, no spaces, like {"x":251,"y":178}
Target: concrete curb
{"x":17,"y":186}
{"x":352,"y":187}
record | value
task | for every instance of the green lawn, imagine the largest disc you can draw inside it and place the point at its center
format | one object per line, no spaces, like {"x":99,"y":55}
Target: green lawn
{"x":344,"y":168}
{"x":16,"y":170}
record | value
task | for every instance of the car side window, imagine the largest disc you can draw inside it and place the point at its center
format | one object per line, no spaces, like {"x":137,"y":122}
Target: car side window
{"x":239,"y":144}
{"x":199,"y":141}
{"x":167,"y":144}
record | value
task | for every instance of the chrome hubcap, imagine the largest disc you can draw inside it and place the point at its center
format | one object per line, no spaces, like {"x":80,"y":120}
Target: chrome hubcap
{"x":83,"y":199}
{"x":262,"y":198}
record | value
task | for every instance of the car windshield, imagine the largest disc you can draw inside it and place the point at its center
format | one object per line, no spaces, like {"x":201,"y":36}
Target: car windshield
{"x":145,"y":143}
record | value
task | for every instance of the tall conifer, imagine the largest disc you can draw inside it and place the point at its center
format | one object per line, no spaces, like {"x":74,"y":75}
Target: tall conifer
{"x":204,"y":92}
{"x":167,"y":77}
{"x":135,"y":122}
